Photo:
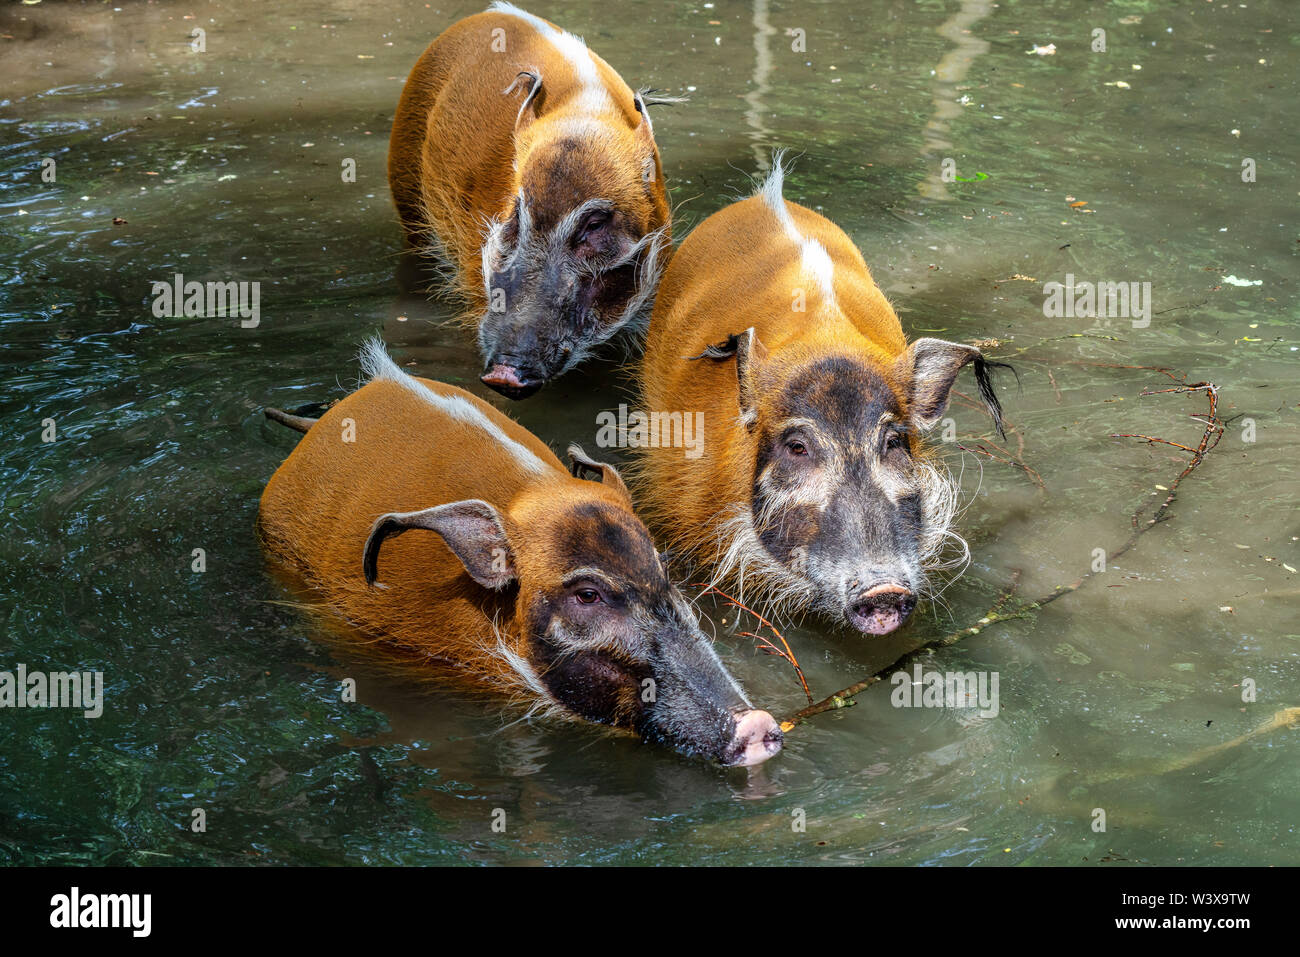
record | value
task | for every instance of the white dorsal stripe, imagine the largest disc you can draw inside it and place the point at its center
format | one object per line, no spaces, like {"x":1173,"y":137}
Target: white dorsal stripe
{"x":595,"y":98}
{"x":377,"y":364}
{"x":816,"y":262}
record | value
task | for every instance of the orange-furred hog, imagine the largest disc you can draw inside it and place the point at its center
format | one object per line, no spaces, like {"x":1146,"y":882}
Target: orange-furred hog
{"x":525,"y":161}
{"x":422,"y":517}
{"x":814,"y":489}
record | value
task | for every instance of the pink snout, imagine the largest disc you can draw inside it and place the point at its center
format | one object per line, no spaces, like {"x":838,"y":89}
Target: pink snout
{"x":756,"y":738}
{"x":881,"y":609}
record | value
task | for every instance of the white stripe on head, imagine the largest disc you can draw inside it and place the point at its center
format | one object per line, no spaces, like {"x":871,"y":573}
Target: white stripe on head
{"x":815,"y":260}
{"x":595,"y":98}
{"x":586,"y":127}
{"x":377,"y":364}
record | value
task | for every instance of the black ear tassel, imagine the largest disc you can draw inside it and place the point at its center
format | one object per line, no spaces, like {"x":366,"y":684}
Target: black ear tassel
{"x":652,"y":97}
{"x":984,"y":379}
{"x":725,"y":349}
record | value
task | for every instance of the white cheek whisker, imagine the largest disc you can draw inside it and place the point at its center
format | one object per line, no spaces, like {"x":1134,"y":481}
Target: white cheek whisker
{"x":741,"y":561}
{"x":523,"y":687}
{"x":742,"y":558}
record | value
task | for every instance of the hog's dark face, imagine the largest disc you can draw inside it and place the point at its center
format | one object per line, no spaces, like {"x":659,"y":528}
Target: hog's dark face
{"x":846,"y":508}
{"x":599,"y":631}
{"x":838,"y":499}
{"x":574,"y":261}
{"x":614,"y":641}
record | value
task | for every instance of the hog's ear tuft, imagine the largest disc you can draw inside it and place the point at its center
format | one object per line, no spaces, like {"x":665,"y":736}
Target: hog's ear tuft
{"x":529,"y":82}
{"x":472,"y":529}
{"x":649,"y":96}
{"x":584,"y":467}
{"x":930,"y":367}
{"x":646,"y":97}
{"x":749,"y":354}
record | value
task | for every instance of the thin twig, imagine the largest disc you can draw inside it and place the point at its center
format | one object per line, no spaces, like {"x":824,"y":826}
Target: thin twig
{"x":1009,"y":460}
{"x":843,"y":698}
{"x":765,"y":645}
{"x":1149,"y":439}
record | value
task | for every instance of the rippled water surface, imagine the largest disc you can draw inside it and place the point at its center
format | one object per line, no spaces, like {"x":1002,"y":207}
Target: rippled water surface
{"x":226,"y":165}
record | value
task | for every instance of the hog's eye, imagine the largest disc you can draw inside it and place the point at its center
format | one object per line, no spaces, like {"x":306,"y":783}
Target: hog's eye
{"x":587,"y":596}
{"x":592,"y":225}
{"x":894,"y":441}
{"x":796,"y":448}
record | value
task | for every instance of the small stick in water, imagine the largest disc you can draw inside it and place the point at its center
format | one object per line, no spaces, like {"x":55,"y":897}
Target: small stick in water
{"x":299,"y":423}
{"x":765,"y":645}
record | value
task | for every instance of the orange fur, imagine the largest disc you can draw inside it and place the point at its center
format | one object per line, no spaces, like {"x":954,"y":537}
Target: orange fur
{"x":738,"y":269}
{"x":319,"y":506}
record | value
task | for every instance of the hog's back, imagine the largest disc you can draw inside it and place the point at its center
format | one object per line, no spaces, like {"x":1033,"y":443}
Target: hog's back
{"x":318,"y":508}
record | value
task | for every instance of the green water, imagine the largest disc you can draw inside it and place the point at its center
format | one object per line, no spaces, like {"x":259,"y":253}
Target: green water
{"x":225,"y":165}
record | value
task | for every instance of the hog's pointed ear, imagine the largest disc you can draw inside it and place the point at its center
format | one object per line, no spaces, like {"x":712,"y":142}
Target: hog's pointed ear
{"x":649,"y":96}
{"x":930,"y":366}
{"x":528,"y":87}
{"x":646,"y":97}
{"x":472,"y":529}
{"x":647,"y":128}
{"x":749,"y":354}
{"x":584,"y":467}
